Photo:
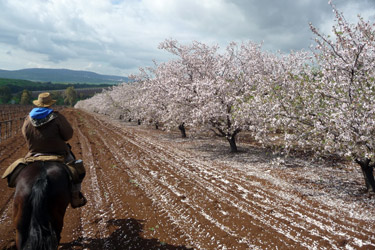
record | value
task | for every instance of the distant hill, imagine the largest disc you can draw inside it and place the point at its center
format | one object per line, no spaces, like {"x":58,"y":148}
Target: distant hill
{"x":61,"y":76}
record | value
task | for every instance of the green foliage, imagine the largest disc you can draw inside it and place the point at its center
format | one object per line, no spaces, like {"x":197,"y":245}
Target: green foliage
{"x":70,"y":96}
{"x":5,"y":94}
{"x":16,"y":86}
{"x":11,"y":90}
{"x":56,"y":95}
{"x":25,"y":97}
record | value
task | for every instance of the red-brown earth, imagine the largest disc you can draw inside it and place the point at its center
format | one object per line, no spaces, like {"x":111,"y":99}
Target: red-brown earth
{"x":150,"y":189}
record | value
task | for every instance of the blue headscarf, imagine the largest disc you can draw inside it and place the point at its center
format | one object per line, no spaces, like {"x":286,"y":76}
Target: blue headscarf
{"x":40,"y":113}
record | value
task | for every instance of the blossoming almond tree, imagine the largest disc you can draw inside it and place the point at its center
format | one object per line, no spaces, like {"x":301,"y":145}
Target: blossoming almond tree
{"x":228,"y":94}
{"x":284,"y":106}
{"x":325,"y":106}
{"x":212,"y":84}
{"x":125,"y":97}
{"x":330,"y":109}
{"x":99,"y":103}
{"x":347,"y":79}
{"x":110,"y":102}
{"x":156,"y":84}
{"x":180,"y":79}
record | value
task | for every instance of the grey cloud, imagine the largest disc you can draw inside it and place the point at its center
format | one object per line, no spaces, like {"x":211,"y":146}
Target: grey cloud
{"x":125,"y":36}
{"x":282,"y":24}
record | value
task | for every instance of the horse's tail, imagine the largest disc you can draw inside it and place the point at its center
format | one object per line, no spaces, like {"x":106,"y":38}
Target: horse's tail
{"x":41,"y":236}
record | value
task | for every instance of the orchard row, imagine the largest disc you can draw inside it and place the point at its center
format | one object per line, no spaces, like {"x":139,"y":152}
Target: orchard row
{"x":322,"y":101}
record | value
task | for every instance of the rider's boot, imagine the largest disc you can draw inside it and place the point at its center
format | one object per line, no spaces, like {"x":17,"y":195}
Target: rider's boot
{"x":78,"y":200}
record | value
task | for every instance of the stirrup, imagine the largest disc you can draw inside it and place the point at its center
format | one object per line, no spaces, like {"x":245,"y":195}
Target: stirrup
{"x":78,"y":201}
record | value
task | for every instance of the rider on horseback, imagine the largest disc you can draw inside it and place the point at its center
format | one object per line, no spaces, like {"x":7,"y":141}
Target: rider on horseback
{"x":46,"y":132}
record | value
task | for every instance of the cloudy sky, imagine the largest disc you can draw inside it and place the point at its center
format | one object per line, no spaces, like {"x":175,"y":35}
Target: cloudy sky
{"x":119,"y":36}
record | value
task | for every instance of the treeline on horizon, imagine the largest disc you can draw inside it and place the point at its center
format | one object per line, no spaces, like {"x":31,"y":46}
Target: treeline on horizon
{"x":16,"y":91}
{"x":16,"y":85}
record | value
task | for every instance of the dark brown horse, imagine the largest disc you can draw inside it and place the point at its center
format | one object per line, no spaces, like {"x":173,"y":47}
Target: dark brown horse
{"x":41,"y":198}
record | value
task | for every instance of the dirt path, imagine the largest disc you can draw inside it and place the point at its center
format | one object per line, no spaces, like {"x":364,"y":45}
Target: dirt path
{"x":148,"y":189}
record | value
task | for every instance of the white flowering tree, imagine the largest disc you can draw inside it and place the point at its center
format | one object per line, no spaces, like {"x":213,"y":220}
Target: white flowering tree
{"x":124,"y":98}
{"x":284,"y":102}
{"x":225,"y":100}
{"x":170,"y":88}
{"x":328,"y":106}
{"x":180,"y":80}
{"x":203,"y":88}
{"x":99,"y":103}
{"x":347,"y":81}
{"x":159,"y":101}
{"x":322,"y":104}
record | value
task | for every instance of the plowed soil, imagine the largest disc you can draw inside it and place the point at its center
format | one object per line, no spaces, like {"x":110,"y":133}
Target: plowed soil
{"x":150,"y":189}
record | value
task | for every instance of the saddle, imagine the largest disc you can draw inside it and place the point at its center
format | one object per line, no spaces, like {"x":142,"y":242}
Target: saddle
{"x":75,"y":169}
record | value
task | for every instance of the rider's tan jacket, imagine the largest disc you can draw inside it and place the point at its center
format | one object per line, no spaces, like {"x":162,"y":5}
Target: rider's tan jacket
{"x":48,"y":135}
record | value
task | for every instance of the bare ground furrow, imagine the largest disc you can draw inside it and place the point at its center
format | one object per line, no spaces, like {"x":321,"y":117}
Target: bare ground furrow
{"x":199,"y":191}
{"x":176,"y":195}
{"x":125,"y":164}
{"x":6,"y":206}
{"x":314,"y":223}
{"x":150,"y":188}
{"x":146,"y":164}
{"x":214,"y":188}
{"x":5,"y":215}
{"x":218,"y":217}
{"x":95,"y":200}
{"x":17,"y":143}
{"x":168,"y":203}
{"x":316,"y":217}
{"x":108,"y":176}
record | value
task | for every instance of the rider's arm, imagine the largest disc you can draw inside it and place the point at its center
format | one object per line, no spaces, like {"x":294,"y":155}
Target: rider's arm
{"x":66,"y":130}
{"x":24,"y":126}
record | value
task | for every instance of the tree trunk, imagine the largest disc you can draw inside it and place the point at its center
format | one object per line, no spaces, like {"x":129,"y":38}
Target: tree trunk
{"x":139,"y":122}
{"x":368,"y":174}
{"x":181,"y":127}
{"x":156,"y":125}
{"x":232,"y":142}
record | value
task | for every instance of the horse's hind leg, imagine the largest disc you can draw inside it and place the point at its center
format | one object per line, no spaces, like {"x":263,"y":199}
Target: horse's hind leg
{"x":57,"y":214}
{"x":57,"y":223}
{"x":17,"y":215}
{"x":19,"y":219}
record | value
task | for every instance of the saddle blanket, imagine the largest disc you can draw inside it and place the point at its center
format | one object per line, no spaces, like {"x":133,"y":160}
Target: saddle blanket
{"x":15,"y":168}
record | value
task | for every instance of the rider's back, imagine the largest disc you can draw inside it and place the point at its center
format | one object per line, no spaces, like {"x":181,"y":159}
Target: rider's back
{"x":49,"y":136}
